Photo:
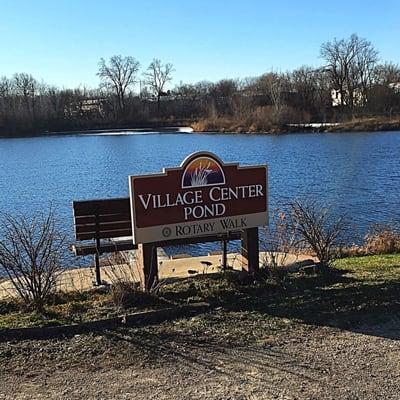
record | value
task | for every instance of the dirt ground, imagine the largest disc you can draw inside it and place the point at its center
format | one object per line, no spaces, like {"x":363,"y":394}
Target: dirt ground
{"x":204,"y":358}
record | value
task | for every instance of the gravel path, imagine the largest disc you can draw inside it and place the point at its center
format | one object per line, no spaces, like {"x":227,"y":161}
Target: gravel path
{"x":176,"y":361}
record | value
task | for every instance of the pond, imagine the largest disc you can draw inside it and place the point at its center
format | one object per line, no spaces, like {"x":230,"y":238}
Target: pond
{"x":354,"y":173}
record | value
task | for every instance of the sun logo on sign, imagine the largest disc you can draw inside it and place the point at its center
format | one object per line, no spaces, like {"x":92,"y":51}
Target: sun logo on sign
{"x":203,"y":171}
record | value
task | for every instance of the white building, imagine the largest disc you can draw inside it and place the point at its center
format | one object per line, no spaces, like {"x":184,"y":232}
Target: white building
{"x":358,"y":98}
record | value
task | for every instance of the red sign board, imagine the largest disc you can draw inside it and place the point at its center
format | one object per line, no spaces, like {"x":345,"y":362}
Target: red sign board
{"x":203,"y":196}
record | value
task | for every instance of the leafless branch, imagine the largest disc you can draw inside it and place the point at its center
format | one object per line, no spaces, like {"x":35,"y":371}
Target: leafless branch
{"x":31,"y":254}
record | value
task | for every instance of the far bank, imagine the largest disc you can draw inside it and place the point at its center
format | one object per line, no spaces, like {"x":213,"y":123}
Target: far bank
{"x":237,"y":125}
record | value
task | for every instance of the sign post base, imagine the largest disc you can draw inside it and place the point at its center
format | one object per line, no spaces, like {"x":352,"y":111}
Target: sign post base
{"x":147,"y":265}
{"x":250,"y":251}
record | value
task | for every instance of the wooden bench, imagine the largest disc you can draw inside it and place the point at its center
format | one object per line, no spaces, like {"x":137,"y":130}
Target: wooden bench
{"x":102,"y":226}
{"x":105,"y":226}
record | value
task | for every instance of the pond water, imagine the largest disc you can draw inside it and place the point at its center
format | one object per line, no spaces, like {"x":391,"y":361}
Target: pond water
{"x":353,"y":173}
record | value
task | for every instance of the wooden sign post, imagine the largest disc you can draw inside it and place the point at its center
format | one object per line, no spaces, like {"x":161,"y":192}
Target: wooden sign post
{"x":202,"y":200}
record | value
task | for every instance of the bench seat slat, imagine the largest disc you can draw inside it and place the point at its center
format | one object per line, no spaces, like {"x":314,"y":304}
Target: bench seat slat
{"x":89,"y":249}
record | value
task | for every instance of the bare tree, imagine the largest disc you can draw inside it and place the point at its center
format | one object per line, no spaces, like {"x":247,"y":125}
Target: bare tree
{"x":351,"y":63}
{"x":6,"y":104}
{"x":387,"y":73}
{"x":366,"y":58}
{"x":119,"y":75}
{"x":385,"y":95}
{"x":26,"y":87}
{"x":303,"y":82}
{"x":273,"y":85}
{"x":5,"y":86}
{"x":223,"y":93}
{"x":31,"y":251}
{"x":338,"y":59}
{"x":312,"y":89}
{"x":157,"y":76}
{"x":189,"y":99}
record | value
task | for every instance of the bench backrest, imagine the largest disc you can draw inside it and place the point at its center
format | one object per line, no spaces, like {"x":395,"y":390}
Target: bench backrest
{"x":102,"y":219}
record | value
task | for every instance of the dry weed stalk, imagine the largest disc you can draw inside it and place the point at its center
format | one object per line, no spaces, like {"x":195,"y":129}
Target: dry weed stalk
{"x":121,"y":269}
{"x":279,"y":243}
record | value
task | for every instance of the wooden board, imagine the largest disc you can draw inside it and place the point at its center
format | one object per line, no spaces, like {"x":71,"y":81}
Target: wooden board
{"x":102,"y":219}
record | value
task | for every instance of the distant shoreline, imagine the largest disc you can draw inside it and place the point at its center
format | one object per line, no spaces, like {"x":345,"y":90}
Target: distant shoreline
{"x":216,"y":125}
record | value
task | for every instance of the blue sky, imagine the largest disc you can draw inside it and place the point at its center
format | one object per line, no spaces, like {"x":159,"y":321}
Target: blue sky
{"x":61,"y":41}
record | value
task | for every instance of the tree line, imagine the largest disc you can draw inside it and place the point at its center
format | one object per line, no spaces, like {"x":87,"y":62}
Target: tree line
{"x":352,"y":82}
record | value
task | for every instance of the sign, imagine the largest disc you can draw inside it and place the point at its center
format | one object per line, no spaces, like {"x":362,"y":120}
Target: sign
{"x":203,"y":196}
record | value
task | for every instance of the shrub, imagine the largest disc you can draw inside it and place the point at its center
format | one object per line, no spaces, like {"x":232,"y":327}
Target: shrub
{"x":31,"y":251}
{"x":314,"y":227}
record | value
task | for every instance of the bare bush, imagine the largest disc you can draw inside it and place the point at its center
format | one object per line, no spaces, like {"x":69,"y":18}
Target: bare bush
{"x":31,"y":255}
{"x":315,"y":228}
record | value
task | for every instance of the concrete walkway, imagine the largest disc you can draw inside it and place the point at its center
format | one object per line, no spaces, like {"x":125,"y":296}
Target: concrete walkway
{"x":81,"y":279}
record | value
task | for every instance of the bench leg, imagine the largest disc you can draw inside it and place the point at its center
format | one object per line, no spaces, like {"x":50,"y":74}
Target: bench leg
{"x":224,"y":254}
{"x":147,"y":264}
{"x":97,"y":270}
{"x":250,"y":250}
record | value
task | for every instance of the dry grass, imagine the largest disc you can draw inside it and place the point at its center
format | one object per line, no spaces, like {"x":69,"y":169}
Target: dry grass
{"x":121,"y":266}
{"x":127,"y":295}
{"x":219,"y":124}
{"x":380,"y":239}
{"x":367,"y":124}
{"x":262,"y":119}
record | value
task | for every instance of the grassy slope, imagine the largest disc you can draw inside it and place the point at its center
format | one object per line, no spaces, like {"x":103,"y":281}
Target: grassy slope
{"x":365,"y":290}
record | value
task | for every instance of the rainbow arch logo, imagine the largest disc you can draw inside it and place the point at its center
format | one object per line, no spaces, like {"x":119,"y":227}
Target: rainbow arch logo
{"x":203,"y":171}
